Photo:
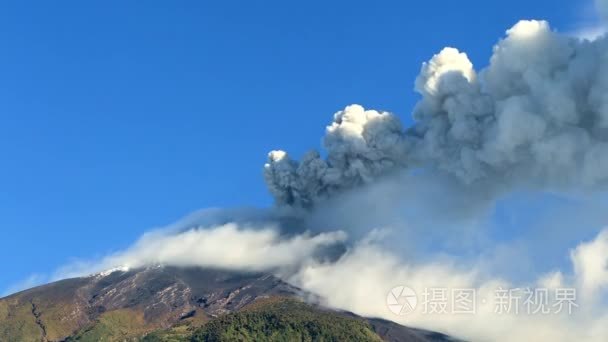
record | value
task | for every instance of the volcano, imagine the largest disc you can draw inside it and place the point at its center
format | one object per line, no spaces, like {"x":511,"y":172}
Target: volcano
{"x":185,"y":304}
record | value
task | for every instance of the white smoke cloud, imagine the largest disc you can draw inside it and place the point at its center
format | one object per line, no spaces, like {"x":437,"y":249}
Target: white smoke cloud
{"x":230,"y":246}
{"x":590,"y":265}
{"x":535,"y":118}
{"x":537,"y":114}
{"x":362,"y":278}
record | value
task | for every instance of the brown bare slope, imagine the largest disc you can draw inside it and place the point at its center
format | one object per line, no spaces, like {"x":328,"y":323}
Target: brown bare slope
{"x":130,"y":305}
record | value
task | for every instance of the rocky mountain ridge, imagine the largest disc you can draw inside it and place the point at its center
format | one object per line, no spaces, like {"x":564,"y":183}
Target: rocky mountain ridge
{"x":126,"y":305}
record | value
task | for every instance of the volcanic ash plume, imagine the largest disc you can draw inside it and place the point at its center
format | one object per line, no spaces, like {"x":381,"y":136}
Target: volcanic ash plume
{"x":538,"y":112}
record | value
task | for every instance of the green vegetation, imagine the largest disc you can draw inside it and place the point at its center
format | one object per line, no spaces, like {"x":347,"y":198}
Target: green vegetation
{"x":180,"y":333}
{"x":32,"y":316}
{"x":40,"y":314}
{"x":117,"y":325}
{"x":17,"y":322}
{"x":287,"y":320}
{"x":276,"y":320}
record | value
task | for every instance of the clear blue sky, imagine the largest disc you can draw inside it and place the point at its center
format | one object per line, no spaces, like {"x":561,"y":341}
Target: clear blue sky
{"x":120,"y":116}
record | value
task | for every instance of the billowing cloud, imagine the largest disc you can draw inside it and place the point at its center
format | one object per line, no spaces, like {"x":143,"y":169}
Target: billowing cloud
{"x":591,"y":266}
{"x":229,"y":246}
{"x":536,"y":118}
{"x":537,"y":115}
{"x":361,"y":145}
{"x":362,"y":278}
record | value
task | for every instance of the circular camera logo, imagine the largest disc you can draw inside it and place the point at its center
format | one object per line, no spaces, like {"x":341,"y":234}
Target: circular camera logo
{"x":401,"y":300}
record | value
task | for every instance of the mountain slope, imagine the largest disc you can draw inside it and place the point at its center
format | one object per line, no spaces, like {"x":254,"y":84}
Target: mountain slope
{"x":182,"y":304}
{"x":278,"y":319}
